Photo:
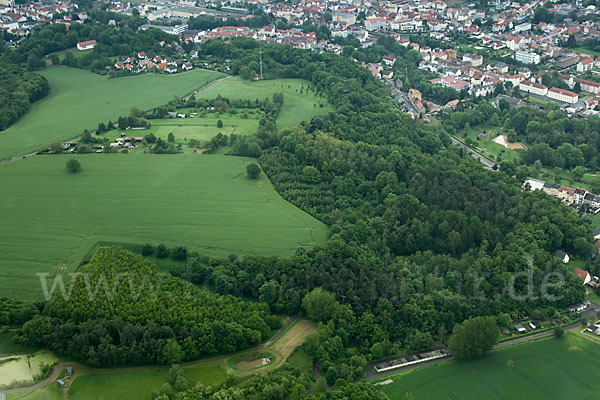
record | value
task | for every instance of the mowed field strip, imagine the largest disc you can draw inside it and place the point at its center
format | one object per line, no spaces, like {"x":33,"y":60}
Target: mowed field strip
{"x":550,"y":368}
{"x":80,"y":99}
{"x":107,"y":384}
{"x":50,"y":219}
{"x":297,"y":107}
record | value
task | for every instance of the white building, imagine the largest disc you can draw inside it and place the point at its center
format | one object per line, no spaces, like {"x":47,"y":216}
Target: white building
{"x":375,"y":23}
{"x":585,"y":64}
{"x":533,"y":88}
{"x":527,"y":57}
{"x":87,"y":45}
{"x":565,"y":96}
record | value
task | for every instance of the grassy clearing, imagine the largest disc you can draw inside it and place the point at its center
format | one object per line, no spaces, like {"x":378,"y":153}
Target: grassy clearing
{"x":51,"y":219}
{"x":586,"y":51}
{"x":549,"y":368}
{"x":297,"y":107}
{"x":293,"y":337}
{"x":487,"y":146}
{"x":80,"y":99}
{"x":131,"y":385}
{"x":50,"y":392}
{"x":199,"y":128}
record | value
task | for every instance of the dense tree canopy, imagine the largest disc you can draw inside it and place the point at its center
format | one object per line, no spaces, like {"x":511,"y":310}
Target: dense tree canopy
{"x":18,"y":89}
{"x":122,"y":310}
{"x":474,"y":338}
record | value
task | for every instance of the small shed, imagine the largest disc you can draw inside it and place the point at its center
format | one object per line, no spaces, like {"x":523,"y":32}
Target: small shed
{"x":520,"y":329}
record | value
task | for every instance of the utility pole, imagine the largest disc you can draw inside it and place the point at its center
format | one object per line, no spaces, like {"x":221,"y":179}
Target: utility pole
{"x":260,"y":63}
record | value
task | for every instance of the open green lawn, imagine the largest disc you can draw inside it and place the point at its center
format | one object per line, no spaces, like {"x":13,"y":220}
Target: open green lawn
{"x":586,"y":51}
{"x":80,"y":100}
{"x":50,"y":392}
{"x":297,"y":107}
{"x":50,"y":219}
{"x":544,"y":369}
{"x":596,"y":220}
{"x":136,"y":385}
{"x":487,"y":146}
{"x":199,"y":128}
{"x":131,"y":385}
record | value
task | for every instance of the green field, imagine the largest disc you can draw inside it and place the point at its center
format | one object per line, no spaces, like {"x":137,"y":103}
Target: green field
{"x":297,"y":107}
{"x":80,"y":100}
{"x":544,"y":369}
{"x":50,"y":219}
{"x":202,"y":129}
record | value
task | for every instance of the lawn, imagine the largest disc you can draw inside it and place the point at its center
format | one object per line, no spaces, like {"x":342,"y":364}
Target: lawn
{"x":564,"y":177}
{"x":201,"y":128}
{"x":50,"y":392}
{"x":50,"y":219}
{"x":130,"y":385}
{"x":297,"y":107}
{"x":586,"y":51}
{"x":80,"y":100}
{"x":548,"y":368}
{"x":487,"y":146}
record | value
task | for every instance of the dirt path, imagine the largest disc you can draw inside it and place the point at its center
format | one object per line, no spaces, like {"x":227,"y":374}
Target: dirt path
{"x":297,"y":337}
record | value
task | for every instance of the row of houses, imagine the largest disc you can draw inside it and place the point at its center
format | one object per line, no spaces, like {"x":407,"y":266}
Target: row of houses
{"x":573,"y":197}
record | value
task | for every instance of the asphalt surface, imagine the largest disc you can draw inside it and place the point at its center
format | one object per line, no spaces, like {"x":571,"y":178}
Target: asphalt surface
{"x":487,"y":163}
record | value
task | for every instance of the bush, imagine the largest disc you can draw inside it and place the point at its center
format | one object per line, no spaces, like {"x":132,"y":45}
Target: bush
{"x":162,"y":251}
{"x":559,"y":332}
{"x":179,"y":253}
{"x":147,"y":249}
{"x":253,"y":170}
{"x":73,"y":166}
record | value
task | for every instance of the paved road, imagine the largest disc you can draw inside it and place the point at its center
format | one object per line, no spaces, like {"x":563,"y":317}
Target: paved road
{"x":487,"y":163}
{"x":589,"y":314}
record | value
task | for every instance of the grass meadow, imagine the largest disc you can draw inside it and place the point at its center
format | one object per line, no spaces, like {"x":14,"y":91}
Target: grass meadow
{"x":80,"y":100}
{"x":545,"y":369}
{"x":297,"y":107}
{"x":50,"y":219}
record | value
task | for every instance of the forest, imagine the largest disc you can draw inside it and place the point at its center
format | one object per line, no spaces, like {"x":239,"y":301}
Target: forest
{"x":413,"y":222}
{"x":18,"y":90}
{"x":123,"y":311}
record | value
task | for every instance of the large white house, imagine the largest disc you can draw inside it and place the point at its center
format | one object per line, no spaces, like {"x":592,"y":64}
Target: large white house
{"x":565,"y":96}
{"x":87,"y":45}
{"x":527,"y":57}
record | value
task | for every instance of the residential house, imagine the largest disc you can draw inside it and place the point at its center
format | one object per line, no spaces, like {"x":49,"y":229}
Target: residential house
{"x":561,"y":255}
{"x":584,"y":275}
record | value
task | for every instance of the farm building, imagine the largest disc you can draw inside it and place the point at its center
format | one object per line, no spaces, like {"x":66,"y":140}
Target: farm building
{"x":87,"y":45}
{"x":520,"y":329}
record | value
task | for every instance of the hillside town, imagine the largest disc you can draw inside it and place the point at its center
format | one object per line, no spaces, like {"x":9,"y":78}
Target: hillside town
{"x":503,"y":46}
